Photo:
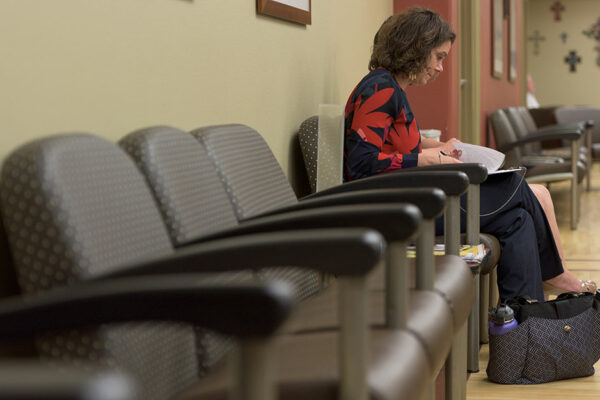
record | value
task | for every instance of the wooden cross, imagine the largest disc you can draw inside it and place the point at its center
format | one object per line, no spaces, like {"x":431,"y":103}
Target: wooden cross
{"x":557,"y":8}
{"x":572,"y":59}
{"x":536,"y":39}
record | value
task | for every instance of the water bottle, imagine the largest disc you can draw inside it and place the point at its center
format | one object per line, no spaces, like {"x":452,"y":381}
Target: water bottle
{"x":502,"y":320}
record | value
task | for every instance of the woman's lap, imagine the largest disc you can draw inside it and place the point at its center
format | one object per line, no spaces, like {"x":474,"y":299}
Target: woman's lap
{"x":511,"y":212}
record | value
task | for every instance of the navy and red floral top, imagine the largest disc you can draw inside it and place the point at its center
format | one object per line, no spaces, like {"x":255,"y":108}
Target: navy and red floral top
{"x":381,"y":133}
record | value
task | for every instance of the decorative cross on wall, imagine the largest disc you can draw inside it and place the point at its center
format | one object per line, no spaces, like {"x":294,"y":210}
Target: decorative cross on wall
{"x":563,"y":36}
{"x":536,"y":38}
{"x":594,"y":33}
{"x":572,"y":59}
{"x":557,"y":8}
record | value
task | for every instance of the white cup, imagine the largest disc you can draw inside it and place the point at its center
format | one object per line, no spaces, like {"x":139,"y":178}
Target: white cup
{"x":434,"y":134}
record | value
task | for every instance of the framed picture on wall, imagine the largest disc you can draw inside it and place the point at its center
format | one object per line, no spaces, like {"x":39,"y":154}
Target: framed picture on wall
{"x":512,"y":51}
{"x":497,"y":38}
{"x":291,"y":10}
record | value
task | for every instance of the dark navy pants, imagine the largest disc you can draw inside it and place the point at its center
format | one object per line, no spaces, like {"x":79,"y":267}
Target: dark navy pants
{"x":528,"y":252}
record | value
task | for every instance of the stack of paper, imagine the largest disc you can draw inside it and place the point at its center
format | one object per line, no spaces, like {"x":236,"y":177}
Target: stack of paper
{"x":471,"y":153}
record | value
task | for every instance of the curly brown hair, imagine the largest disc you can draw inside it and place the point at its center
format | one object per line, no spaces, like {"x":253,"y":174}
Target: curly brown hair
{"x":404,"y":41}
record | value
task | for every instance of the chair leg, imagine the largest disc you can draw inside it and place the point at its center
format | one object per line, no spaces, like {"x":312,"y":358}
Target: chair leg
{"x":456,"y":366}
{"x":590,"y":160}
{"x":494,"y":287}
{"x":574,"y":184}
{"x":255,"y":370}
{"x":473,"y":336}
{"x":484,"y":305}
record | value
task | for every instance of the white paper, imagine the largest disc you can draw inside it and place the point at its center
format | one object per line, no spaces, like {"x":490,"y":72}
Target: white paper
{"x":504,"y":171}
{"x":471,"y":153}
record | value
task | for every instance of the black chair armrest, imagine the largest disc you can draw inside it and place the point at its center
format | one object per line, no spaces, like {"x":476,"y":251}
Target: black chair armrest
{"x":395,"y":222}
{"x":541,"y":136}
{"x":349,"y":251}
{"x":244,"y":309}
{"x":451,"y":182}
{"x":431,"y":201}
{"x":476,"y":172}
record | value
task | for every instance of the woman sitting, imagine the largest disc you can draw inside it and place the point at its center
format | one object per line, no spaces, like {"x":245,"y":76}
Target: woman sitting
{"x":382,"y":135}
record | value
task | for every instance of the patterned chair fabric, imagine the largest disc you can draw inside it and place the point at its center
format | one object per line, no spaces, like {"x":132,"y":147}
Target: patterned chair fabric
{"x":309,"y":139}
{"x":192,"y":202}
{"x":197,"y":199}
{"x":239,"y":153}
{"x":75,"y":206}
{"x":241,"y":156}
{"x":184,"y":182}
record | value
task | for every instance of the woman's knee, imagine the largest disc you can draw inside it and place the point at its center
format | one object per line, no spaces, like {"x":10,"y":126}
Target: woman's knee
{"x":542,"y":194}
{"x":511,"y":222}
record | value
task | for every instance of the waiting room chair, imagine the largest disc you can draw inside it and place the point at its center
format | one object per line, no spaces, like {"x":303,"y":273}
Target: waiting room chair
{"x":163,"y":153}
{"x":253,"y":194}
{"x":76,"y":209}
{"x":509,"y":143}
{"x":321,"y":164}
{"x":524,"y":125}
{"x":582,"y":113}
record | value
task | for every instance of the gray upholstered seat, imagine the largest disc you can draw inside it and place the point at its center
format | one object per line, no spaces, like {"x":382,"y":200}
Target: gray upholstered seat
{"x":256,"y":184}
{"x":76,"y":208}
{"x":319,"y":164}
{"x":51,"y":203}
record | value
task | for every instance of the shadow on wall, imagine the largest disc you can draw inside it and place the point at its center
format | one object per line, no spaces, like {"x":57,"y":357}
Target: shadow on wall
{"x":298,"y":177}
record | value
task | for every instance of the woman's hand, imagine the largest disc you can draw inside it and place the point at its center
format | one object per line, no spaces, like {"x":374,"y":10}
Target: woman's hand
{"x":434,"y":157}
{"x":449,"y":149}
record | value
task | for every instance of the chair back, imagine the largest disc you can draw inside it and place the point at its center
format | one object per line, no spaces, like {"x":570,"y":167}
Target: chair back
{"x":253,"y":178}
{"x":183,"y":180}
{"x":580,"y":113}
{"x":255,"y":183}
{"x":75,"y":206}
{"x":519,"y":127}
{"x":322,"y":144}
{"x":308,"y":136}
{"x":527,"y":119}
{"x":504,"y":134}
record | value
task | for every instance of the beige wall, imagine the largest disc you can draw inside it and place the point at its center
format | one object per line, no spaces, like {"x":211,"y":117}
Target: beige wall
{"x":555,"y":85}
{"x":111,"y":66}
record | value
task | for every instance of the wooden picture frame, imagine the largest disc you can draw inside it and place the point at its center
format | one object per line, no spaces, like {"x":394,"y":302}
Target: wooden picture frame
{"x":512,"y":47}
{"x":497,"y":38}
{"x":298,"y":11}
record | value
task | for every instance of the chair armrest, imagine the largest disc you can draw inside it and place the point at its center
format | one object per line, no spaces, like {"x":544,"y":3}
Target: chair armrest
{"x":348,"y":251}
{"x":565,"y":126}
{"x":451,"y":182}
{"x":394,"y":221}
{"x":242,"y":309}
{"x":430,"y":201}
{"x":29,"y":380}
{"x":476,"y":172}
{"x":543,"y":135}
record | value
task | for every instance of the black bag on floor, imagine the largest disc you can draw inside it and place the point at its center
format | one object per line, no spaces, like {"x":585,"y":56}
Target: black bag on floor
{"x":557,"y":339}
